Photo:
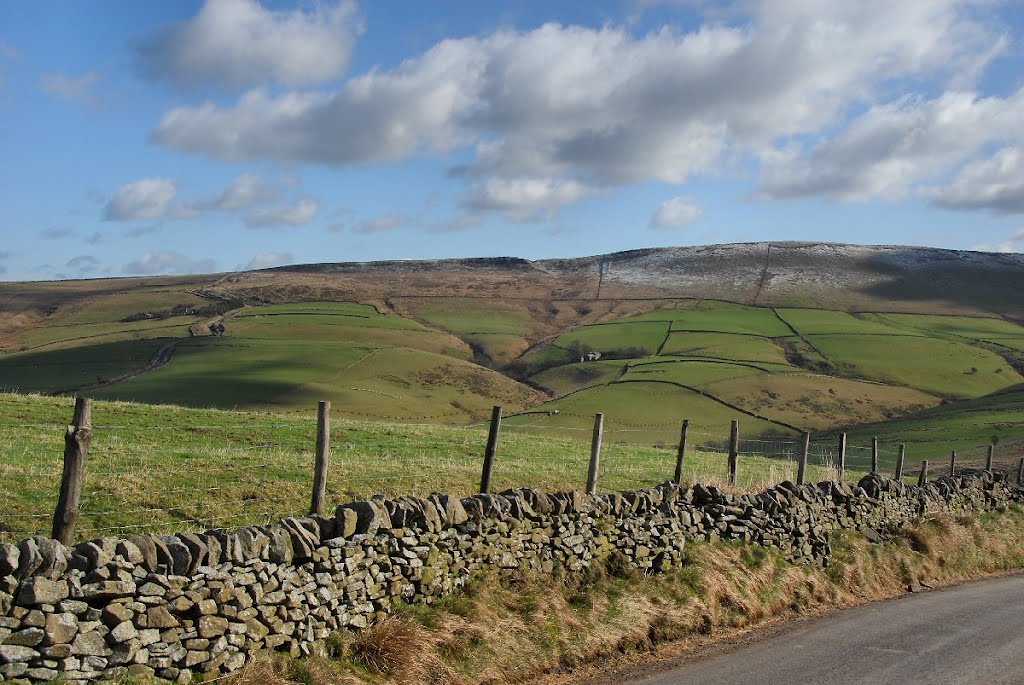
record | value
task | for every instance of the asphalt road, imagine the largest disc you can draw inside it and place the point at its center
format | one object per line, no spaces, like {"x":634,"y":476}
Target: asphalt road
{"x":968,"y":634}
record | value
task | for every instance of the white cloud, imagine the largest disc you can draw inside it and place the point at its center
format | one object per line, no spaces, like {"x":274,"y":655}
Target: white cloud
{"x":1015,"y":243}
{"x":996,"y":183}
{"x":167,"y":262}
{"x":892,"y":148}
{"x":240,"y":43}
{"x":557,"y":113}
{"x":676,"y":213}
{"x":70,"y":89}
{"x":524,"y":199}
{"x":246,"y":191}
{"x":266,"y":260}
{"x":298,"y":213}
{"x":147,"y":199}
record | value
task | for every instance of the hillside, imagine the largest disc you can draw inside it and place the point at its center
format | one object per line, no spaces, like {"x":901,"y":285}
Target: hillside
{"x":787,"y":336}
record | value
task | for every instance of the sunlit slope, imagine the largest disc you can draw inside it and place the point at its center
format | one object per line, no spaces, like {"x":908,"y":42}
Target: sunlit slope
{"x":369,"y":364}
{"x":806,"y":368}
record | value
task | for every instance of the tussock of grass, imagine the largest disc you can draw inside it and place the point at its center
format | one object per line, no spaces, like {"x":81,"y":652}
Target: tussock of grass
{"x":555,"y":628}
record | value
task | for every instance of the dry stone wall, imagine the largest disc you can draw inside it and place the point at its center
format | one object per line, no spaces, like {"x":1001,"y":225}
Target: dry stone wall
{"x":175,"y":605}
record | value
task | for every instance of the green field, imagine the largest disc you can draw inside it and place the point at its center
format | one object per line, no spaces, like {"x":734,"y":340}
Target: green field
{"x":698,"y":374}
{"x":166,"y":468}
{"x":818,"y":321}
{"x":929,"y":364}
{"x":76,"y":366}
{"x":448,"y":360}
{"x":721,"y":317}
{"x":968,"y":327}
{"x":724,"y":346}
{"x":608,"y":337}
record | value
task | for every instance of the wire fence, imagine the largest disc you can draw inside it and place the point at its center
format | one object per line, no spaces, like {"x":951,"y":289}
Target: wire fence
{"x":162,"y":476}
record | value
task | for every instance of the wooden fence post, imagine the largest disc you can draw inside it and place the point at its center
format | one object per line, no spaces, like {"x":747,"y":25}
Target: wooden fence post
{"x":801,"y":471}
{"x":989,"y":457}
{"x":492,"y":449}
{"x":922,"y":477}
{"x":874,"y":455}
{"x":681,"y":455}
{"x":76,"y":449}
{"x":1020,"y":473}
{"x":899,"y":461}
{"x":595,"y":454}
{"x":841,"y":466}
{"x":734,"y":450}
{"x":952,"y":463}
{"x":323,"y":455}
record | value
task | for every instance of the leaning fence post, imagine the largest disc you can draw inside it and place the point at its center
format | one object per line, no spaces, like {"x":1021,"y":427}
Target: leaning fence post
{"x":989,"y":456}
{"x":76,"y":448}
{"x":841,"y":466}
{"x":734,"y":450}
{"x":899,"y":461}
{"x":922,"y":477}
{"x":1020,"y":473}
{"x":492,"y":449}
{"x":801,"y":472}
{"x":681,"y":455}
{"x":874,"y":455}
{"x":952,"y":463}
{"x":595,"y":454}
{"x":323,"y":454}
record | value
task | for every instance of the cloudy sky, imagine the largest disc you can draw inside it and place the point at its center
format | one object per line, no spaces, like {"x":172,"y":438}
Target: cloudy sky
{"x":195,"y":136}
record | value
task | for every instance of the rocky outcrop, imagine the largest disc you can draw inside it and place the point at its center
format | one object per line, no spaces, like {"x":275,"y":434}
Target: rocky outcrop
{"x":172,"y":605}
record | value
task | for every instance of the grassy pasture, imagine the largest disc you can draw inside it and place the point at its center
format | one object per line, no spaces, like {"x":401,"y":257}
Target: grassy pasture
{"x":164,"y":468}
{"x":363,"y":379}
{"x":724,"y":346}
{"x":973,"y":423}
{"x":567,"y":378}
{"x":819,"y":402}
{"x":965,"y":326}
{"x":937,"y":366}
{"x":645,"y":412}
{"x":54,"y":337}
{"x":721,"y":317}
{"x":644,"y":335}
{"x":115,"y":306}
{"x":54,"y":370}
{"x":817,"y":321}
{"x":699,"y":374}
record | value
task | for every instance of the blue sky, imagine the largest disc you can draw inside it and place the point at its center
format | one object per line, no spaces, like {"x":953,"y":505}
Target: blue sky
{"x":196,"y":136}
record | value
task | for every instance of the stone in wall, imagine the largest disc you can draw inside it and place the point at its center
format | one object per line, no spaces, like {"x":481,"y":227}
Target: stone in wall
{"x":174,"y":605}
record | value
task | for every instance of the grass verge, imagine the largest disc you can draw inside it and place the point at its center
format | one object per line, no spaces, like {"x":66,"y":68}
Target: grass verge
{"x":554,"y":629}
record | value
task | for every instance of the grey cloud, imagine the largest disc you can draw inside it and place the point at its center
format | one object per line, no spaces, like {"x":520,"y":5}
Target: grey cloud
{"x":167,"y":262}
{"x":56,"y":233}
{"x":239,"y":43}
{"x":298,"y":213}
{"x":246,"y":191}
{"x":382,"y":224}
{"x":71,"y":89}
{"x":140,"y":231}
{"x":557,"y":113}
{"x":83,"y":264}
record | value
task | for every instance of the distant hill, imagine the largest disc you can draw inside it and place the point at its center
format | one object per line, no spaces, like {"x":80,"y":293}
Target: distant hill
{"x":790,"y":336}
